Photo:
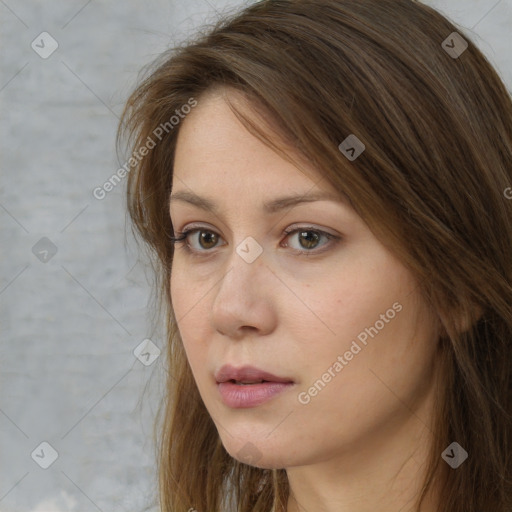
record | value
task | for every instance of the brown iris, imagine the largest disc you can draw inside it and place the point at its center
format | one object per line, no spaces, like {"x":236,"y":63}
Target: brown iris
{"x":312,"y":240}
{"x":208,"y":237}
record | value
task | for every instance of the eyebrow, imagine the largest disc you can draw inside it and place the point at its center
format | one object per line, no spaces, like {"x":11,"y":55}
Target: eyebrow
{"x":270,"y":207}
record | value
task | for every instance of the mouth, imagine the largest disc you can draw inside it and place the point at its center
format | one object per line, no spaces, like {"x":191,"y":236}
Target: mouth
{"x":238,"y":383}
{"x":248,"y":386}
{"x":247,"y":375}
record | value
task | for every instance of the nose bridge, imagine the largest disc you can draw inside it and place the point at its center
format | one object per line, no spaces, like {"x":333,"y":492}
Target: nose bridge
{"x":238,"y":300}
{"x":245,"y":266}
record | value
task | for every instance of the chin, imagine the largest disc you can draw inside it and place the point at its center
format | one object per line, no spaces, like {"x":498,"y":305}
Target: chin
{"x":257,"y":454}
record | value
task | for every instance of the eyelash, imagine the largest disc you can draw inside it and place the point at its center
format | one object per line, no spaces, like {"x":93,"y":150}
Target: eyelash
{"x":183,"y":235}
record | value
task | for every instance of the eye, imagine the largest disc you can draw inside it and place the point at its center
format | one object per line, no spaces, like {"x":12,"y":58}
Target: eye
{"x":309,"y":239}
{"x":207,"y":240}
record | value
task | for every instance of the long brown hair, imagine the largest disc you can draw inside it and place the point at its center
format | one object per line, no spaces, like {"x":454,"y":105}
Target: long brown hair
{"x":431,"y":184}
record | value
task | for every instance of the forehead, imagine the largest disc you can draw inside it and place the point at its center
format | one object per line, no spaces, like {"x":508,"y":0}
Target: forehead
{"x":214,"y":146}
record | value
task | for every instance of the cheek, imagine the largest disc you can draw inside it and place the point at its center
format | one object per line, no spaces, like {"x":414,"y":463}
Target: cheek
{"x":350,"y":301}
{"x":187,"y":295}
{"x":189,"y":305}
{"x":376,"y":319}
{"x":384,"y":379}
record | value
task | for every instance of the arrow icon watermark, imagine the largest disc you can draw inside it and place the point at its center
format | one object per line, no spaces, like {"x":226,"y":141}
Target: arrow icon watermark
{"x":146,"y":352}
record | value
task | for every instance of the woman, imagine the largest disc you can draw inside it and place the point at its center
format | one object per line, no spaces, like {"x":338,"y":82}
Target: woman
{"x":339,"y":333}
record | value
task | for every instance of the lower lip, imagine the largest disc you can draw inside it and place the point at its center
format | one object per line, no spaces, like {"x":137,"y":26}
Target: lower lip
{"x":250,"y":395}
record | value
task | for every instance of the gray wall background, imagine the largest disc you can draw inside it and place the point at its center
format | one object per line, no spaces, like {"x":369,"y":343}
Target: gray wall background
{"x":73,"y":290}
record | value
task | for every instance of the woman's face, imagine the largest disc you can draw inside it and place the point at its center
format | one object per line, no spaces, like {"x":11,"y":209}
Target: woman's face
{"x":340,"y":317}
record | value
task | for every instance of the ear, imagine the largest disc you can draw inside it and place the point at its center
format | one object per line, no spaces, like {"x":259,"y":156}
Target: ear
{"x":466,"y":321}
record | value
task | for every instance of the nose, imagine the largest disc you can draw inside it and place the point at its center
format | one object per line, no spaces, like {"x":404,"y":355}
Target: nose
{"x":245,"y":299}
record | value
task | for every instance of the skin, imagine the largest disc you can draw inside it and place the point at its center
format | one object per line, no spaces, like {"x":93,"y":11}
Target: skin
{"x":361,"y":443}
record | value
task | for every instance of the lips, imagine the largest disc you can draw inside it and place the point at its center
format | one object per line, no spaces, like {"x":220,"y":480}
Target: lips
{"x":247,"y":375}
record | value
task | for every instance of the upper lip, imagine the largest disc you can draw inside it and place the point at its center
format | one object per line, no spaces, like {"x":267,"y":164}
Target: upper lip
{"x":246,"y":374}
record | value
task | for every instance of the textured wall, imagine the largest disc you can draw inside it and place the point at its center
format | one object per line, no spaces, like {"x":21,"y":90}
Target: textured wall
{"x":73,"y":293}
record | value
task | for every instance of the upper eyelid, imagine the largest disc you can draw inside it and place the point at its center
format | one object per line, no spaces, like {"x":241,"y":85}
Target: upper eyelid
{"x":287,"y":231}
